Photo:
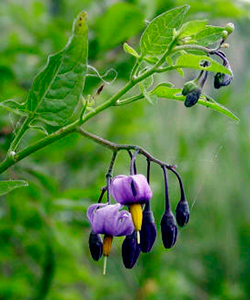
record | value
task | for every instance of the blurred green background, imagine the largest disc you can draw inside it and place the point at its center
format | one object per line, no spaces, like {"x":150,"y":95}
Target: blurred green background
{"x":43,"y":227}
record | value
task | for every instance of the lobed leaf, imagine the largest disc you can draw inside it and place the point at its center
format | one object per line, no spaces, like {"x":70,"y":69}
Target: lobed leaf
{"x":195,"y":62}
{"x":160,"y":31}
{"x":164,"y":91}
{"x":9,"y":185}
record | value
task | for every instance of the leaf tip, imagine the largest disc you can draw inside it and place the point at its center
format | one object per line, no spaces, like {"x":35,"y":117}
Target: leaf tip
{"x":80,"y":24}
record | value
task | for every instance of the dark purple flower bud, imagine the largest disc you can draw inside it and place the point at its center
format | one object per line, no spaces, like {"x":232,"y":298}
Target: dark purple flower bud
{"x":148,"y":231}
{"x":192,"y":97}
{"x":130,"y":251}
{"x":131,"y":189}
{"x":221,"y":79}
{"x":182,"y":213}
{"x":168,"y":230}
{"x":188,"y":87}
{"x":95,"y":246}
{"x":108,"y":219}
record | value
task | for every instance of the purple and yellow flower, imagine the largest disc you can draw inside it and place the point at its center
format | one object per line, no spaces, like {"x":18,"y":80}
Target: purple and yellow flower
{"x":111,"y":221}
{"x":132,"y":191}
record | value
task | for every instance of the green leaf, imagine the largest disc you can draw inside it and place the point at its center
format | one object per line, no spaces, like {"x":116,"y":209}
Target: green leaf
{"x":160,"y":31}
{"x":120,"y":22}
{"x":144,"y":85}
{"x":191,"y":28}
{"x":164,"y":91}
{"x":9,"y":185}
{"x":39,"y":129}
{"x":128,"y":49}
{"x":209,"y":35}
{"x":194,"y":62}
{"x":56,"y":89}
{"x":14,"y":107}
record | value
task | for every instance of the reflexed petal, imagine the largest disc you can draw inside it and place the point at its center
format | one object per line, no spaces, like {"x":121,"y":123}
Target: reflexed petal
{"x":130,"y":189}
{"x":124,"y":224}
{"x":92,"y":210}
{"x":108,"y":219}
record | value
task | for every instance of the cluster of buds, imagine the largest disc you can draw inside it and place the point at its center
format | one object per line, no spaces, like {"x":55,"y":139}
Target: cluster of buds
{"x":136,"y":222}
{"x":192,"y":89}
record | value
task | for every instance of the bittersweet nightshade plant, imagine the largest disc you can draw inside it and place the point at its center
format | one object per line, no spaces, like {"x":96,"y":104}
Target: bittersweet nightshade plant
{"x":166,"y":44}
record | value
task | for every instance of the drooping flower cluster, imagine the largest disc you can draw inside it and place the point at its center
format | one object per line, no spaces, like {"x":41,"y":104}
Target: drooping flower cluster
{"x":193,"y":89}
{"x":137,"y":223}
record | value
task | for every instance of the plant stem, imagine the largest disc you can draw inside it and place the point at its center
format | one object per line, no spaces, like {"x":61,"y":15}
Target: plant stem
{"x":20,"y":133}
{"x":118,"y":147}
{"x":183,"y":198}
{"x":12,"y":159}
{"x":167,"y":202}
{"x":194,"y":47}
{"x":109,"y":175}
{"x":129,"y":100}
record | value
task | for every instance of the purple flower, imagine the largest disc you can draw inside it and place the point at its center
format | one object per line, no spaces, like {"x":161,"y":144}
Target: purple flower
{"x":108,"y":219}
{"x":131,"y":189}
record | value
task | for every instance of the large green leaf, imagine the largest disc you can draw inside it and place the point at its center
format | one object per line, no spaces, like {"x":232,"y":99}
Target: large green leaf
{"x":9,"y":185}
{"x":57,"y":88}
{"x":164,"y":91}
{"x":208,"y":35}
{"x":193,"y":61}
{"x":120,"y":22}
{"x":160,"y":31}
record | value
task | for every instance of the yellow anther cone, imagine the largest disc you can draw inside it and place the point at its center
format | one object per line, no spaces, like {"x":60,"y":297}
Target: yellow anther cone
{"x":136,"y":213}
{"x":106,"y":248}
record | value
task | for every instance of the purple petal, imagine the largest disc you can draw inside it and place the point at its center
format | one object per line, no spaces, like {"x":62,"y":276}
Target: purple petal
{"x":124,"y":224}
{"x":92,"y":210}
{"x":131,"y":189}
{"x":107,"y":219}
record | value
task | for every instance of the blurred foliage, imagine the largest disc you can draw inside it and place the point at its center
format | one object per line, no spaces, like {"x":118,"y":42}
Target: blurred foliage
{"x":43,"y":227}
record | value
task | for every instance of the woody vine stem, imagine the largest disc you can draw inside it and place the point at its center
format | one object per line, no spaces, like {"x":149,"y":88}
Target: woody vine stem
{"x":13,"y":157}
